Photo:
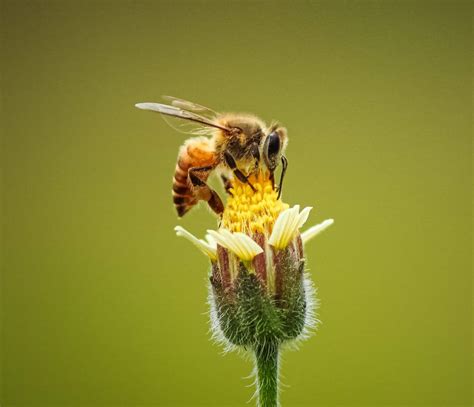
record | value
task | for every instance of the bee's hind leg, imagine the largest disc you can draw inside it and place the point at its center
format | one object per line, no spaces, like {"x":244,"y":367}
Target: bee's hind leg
{"x":197,"y":177}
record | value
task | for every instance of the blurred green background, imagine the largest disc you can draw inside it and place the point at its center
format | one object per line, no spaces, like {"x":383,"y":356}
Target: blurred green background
{"x":103,"y":305}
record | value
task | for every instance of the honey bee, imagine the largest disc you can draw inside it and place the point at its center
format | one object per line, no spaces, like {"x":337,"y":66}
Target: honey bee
{"x":233,"y":145}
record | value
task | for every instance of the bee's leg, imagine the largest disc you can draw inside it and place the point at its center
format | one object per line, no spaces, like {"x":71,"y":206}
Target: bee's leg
{"x":233,"y":166}
{"x":227,"y":184}
{"x":198,"y":176}
{"x":284,"y":166}
{"x":255,"y":154}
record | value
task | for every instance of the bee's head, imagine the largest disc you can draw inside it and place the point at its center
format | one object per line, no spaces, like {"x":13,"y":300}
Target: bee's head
{"x":274,"y":145}
{"x":250,"y":139}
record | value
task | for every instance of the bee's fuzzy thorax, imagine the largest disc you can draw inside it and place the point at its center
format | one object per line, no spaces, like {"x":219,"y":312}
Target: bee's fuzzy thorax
{"x":247,"y":121}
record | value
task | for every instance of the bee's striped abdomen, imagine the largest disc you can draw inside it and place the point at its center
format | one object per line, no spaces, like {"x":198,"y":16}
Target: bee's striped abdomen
{"x":195,"y":152}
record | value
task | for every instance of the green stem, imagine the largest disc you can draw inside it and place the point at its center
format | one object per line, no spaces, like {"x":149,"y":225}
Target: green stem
{"x":266,"y":358}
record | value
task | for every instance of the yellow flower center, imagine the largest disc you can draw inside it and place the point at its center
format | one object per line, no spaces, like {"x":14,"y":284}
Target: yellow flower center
{"x":251,"y":211}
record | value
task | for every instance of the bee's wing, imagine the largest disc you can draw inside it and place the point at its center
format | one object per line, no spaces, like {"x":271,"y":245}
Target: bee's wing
{"x":191,"y":106}
{"x":200,"y":123}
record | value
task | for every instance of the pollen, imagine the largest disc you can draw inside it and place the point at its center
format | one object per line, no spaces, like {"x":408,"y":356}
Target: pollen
{"x":250,"y":211}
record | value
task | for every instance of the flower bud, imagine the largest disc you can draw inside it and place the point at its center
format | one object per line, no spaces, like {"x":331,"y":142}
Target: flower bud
{"x":260,"y":296}
{"x":265,"y":298}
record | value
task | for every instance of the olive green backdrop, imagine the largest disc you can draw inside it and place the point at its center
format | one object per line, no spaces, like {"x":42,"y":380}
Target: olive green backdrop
{"x":102,"y":305}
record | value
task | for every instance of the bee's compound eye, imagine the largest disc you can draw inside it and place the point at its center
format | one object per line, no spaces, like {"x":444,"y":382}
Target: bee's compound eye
{"x":271,"y":150}
{"x":273,"y":144}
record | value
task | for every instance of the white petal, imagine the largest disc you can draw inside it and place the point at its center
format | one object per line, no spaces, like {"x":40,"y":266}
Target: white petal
{"x":314,"y":230}
{"x":304,"y":216}
{"x":241,"y":251}
{"x":238,"y":243}
{"x":278,"y":226}
{"x":207,"y":248}
{"x":251,"y":246}
{"x":218,"y":238}
{"x":287,"y":225}
{"x":211,"y":241}
{"x":231,"y":243}
{"x":292,"y":225}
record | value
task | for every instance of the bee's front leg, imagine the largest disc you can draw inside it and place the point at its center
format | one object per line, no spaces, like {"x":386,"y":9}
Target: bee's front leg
{"x":284,"y":166}
{"x":229,"y":160}
{"x":227,"y":184}
{"x":197,"y":177}
{"x":256,"y":155}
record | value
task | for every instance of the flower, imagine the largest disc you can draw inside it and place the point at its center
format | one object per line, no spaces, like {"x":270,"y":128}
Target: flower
{"x":260,"y":295}
{"x":255,"y":213}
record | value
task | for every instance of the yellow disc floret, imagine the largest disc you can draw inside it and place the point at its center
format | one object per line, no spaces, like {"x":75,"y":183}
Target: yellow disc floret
{"x":251,"y":211}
